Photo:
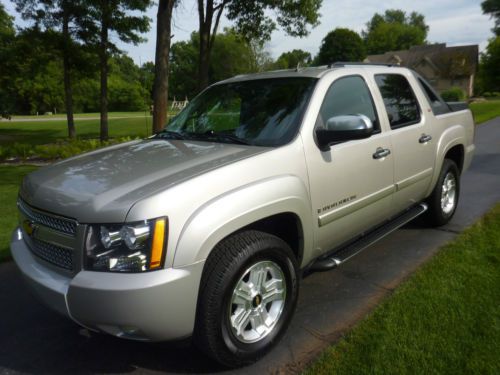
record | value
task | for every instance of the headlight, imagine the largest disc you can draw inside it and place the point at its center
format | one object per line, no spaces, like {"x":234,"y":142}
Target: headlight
{"x":133,"y":247}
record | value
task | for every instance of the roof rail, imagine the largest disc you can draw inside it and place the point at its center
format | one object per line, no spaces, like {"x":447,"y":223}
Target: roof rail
{"x":341,"y":64}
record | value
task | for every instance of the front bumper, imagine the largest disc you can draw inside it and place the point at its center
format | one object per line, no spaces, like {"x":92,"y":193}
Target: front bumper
{"x":152,"y":306}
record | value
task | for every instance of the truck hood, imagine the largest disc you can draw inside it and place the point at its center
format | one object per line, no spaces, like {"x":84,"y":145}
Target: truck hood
{"x":101,"y":186}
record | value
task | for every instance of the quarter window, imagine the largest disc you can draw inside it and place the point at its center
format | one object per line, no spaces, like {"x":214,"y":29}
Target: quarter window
{"x":399,"y":100}
{"x":348,"y":96}
{"x":437,"y":104}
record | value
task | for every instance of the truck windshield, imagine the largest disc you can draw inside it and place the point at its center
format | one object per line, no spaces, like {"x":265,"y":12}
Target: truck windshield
{"x":264,"y":112}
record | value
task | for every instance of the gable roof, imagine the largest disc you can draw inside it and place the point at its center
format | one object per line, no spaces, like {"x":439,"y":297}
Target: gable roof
{"x":448,"y":61}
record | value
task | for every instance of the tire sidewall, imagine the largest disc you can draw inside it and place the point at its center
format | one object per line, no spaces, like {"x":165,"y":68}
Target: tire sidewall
{"x":289,"y":269}
{"x":440,"y":216}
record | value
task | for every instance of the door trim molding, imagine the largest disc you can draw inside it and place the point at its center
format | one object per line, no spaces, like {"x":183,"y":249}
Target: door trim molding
{"x":337,"y":213}
{"x":413,"y":179}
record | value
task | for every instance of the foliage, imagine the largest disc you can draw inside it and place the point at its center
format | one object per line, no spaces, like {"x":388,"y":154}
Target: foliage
{"x":340,"y":45}
{"x":60,"y":149}
{"x":122,"y":18}
{"x":9,"y":187}
{"x":395,"y":30}
{"x":251,"y":20}
{"x":489,"y":71}
{"x":232,"y":55}
{"x":492,"y":7}
{"x":252,"y":17}
{"x":443,"y":320}
{"x":6,"y":23}
{"x":292,"y":59}
{"x":453,"y":94}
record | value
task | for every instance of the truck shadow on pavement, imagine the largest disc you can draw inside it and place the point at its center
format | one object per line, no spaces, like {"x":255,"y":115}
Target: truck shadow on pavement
{"x":33,"y":339}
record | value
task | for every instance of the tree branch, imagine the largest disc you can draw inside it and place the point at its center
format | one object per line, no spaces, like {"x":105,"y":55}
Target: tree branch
{"x":219,"y":8}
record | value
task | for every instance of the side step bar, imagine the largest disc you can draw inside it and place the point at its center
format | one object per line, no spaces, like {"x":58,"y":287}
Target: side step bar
{"x":345,"y":252}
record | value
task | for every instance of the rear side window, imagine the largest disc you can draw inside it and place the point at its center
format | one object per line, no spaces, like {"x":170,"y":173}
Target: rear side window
{"x":399,"y":100}
{"x":438,"y":106}
{"x":348,"y":96}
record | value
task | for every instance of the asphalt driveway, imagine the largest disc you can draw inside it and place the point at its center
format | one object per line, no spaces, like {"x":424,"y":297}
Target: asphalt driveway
{"x":33,"y":339}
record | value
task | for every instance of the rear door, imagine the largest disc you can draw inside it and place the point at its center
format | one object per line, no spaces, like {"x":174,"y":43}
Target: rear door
{"x":351,"y":187}
{"x":411,"y":136}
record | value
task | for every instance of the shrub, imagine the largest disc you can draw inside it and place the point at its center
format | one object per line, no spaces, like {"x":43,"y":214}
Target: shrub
{"x":61,"y":149}
{"x":455,"y":94}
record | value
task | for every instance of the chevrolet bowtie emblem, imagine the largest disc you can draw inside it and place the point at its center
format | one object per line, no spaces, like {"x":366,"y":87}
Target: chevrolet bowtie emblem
{"x":29,"y":227}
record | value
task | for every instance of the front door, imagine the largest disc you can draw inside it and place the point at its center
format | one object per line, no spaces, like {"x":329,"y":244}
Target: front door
{"x":352,"y":183}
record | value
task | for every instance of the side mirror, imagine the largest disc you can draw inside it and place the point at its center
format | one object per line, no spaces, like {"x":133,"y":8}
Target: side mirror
{"x":343,"y":128}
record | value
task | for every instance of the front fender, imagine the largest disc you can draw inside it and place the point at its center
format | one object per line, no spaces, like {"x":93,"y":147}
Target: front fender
{"x":238,"y":208}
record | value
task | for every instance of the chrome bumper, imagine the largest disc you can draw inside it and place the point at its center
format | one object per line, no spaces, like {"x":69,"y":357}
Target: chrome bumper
{"x":152,"y":306}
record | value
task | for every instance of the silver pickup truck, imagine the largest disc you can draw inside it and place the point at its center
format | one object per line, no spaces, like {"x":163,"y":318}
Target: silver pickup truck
{"x":206,"y":228}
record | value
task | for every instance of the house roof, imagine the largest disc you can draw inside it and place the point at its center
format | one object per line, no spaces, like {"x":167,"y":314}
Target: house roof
{"x":447,"y":61}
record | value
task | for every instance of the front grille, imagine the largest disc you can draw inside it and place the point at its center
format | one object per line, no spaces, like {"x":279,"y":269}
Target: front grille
{"x":54,"y":254}
{"x":60,"y":224}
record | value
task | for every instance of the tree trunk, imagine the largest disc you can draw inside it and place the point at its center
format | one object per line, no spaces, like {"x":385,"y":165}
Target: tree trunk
{"x":160,"y":87}
{"x":204,"y":58}
{"x":103,"y":56}
{"x":68,"y":92}
{"x":207,"y":36}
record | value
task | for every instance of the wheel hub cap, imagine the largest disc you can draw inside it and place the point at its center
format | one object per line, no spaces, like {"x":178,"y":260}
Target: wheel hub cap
{"x":257,"y":302}
{"x":448,"y":193}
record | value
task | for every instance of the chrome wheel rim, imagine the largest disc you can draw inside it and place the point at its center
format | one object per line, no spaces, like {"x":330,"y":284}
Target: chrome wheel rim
{"x":257,"y":302}
{"x":448,"y":193}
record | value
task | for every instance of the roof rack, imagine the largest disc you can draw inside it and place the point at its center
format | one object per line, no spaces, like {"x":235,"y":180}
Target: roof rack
{"x":341,"y":64}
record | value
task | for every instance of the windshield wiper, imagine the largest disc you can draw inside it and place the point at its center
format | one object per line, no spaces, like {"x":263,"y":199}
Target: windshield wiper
{"x":170,"y":135}
{"x":220,"y":136}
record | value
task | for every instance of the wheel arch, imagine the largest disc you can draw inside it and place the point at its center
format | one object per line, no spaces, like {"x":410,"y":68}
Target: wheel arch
{"x":274,"y":206}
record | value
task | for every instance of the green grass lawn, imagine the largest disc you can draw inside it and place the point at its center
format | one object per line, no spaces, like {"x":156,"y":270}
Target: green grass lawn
{"x":484,"y":111}
{"x":10,"y":179}
{"x":444,"y":320}
{"x":80,"y":115}
{"x":42,"y":132}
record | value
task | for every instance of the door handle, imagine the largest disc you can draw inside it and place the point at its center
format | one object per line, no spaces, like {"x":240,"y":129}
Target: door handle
{"x":424,"y":138}
{"x":381,"y":153}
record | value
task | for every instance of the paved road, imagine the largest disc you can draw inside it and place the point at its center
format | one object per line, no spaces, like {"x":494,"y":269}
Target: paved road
{"x":35,"y":340}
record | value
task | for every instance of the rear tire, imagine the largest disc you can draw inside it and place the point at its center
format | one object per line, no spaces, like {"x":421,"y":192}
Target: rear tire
{"x":248,"y":295}
{"x":444,"y":198}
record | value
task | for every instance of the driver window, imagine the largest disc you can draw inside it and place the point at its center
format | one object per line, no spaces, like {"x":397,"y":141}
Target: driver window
{"x":348,"y":96}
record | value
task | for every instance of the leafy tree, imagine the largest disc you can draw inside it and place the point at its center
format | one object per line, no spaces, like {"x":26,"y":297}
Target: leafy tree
{"x":7,"y":37}
{"x":489,"y":72}
{"x":252,"y":21}
{"x":111,"y":16}
{"x":492,"y":7}
{"x":160,"y":87}
{"x":394,"y":30}
{"x":34,"y":72}
{"x":147,"y":77}
{"x":340,"y":45}
{"x":291,"y":59}
{"x":6,"y":23}
{"x":232,"y":55}
{"x":58,"y":14}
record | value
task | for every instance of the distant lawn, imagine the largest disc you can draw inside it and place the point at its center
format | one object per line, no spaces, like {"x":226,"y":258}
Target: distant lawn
{"x":81,"y":115}
{"x":10,"y":180}
{"x":42,"y":132}
{"x":444,"y":320}
{"x":484,"y":111}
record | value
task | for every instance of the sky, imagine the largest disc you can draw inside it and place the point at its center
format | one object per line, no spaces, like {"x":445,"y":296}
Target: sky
{"x":455,"y":22}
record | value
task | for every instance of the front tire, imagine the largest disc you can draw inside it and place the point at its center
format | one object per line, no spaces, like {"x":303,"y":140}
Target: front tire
{"x":248,"y":294}
{"x":444,"y":198}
